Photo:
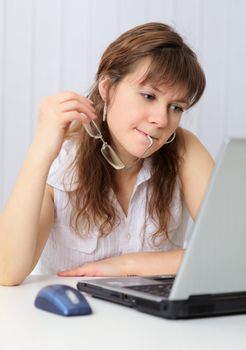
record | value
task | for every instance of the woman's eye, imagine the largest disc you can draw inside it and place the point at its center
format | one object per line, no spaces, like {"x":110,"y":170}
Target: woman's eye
{"x":148,"y":97}
{"x":176,"y":109}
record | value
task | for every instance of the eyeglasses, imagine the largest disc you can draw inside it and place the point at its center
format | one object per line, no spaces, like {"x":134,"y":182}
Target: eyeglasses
{"x":106,"y":150}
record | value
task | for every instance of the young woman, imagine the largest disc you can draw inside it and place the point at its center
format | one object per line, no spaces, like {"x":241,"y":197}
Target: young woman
{"x":108,"y":180}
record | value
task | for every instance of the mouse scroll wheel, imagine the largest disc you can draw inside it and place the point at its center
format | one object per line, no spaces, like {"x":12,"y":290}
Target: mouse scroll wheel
{"x":72,"y":296}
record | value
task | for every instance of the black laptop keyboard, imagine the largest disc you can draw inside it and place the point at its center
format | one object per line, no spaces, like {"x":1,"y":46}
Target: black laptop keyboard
{"x":162,"y":290}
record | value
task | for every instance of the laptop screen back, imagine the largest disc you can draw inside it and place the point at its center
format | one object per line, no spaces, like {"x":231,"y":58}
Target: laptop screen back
{"x":215,"y":259}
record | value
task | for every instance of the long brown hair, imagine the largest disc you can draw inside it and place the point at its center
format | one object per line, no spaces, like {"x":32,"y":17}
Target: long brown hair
{"x":172,"y":63}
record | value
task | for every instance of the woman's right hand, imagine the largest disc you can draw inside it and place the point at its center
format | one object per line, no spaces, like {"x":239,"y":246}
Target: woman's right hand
{"x":55,"y":116}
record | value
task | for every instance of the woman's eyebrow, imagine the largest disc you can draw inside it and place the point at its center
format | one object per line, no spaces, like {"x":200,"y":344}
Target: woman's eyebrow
{"x":179,"y":100}
{"x":183,"y":101}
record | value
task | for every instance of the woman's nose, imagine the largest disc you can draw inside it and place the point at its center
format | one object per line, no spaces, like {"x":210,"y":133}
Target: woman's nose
{"x":159,"y":117}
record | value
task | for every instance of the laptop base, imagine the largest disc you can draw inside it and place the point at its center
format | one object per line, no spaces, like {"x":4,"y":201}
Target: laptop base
{"x":194,"y":307}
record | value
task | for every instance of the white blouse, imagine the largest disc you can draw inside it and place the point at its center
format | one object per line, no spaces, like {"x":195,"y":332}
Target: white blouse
{"x":66,"y":249}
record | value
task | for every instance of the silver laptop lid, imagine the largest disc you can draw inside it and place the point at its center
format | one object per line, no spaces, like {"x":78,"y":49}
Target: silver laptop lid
{"x":215,"y":260}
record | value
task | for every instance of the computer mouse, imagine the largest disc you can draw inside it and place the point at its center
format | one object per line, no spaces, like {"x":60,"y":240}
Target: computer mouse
{"x":63,"y":300}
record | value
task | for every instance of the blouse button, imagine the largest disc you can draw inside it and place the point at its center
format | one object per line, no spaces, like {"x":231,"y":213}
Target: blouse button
{"x":128,"y":236}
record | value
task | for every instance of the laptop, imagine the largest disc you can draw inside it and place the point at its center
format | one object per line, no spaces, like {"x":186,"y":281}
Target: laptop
{"x":211,"y":280}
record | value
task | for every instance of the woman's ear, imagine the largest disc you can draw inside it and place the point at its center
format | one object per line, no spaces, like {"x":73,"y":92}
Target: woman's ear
{"x":103,"y":87}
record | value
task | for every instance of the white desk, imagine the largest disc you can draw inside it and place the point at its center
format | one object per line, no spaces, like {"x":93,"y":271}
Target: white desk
{"x":111,"y":326}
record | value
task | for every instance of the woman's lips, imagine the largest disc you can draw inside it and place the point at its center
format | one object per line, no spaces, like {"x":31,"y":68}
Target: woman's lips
{"x":145,"y":134}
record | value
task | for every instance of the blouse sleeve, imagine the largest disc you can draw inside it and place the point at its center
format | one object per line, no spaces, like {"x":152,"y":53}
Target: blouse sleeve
{"x":61,"y":175}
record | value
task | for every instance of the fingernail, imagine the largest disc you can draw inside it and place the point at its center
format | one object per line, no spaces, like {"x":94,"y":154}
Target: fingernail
{"x":84,"y":116}
{"x":91,"y":102}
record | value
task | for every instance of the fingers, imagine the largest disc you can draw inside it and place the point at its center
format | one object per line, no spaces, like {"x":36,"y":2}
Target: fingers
{"x":68,"y":117}
{"x":71,"y":273}
{"x":71,"y":95}
{"x":78,"y":272}
{"x":74,"y":105}
{"x":70,"y":101}
{"x":63,"y":108}
{"x":89,"y":269}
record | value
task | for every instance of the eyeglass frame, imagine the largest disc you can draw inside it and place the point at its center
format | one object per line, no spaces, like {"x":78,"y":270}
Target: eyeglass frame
{"x":120,"y":165}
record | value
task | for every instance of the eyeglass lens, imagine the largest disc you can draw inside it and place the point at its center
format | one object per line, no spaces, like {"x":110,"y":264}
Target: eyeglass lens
{"x":93,"y":130}
{"x":110,"y":155}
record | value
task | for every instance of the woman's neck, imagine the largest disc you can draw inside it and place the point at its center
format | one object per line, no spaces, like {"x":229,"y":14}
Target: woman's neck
{"x":124,"y":176}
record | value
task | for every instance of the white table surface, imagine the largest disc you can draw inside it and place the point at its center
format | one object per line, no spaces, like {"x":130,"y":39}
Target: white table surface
{"x":111,"y":326}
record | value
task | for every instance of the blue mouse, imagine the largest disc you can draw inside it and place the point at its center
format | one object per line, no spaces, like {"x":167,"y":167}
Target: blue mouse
{"x":63,"y":300}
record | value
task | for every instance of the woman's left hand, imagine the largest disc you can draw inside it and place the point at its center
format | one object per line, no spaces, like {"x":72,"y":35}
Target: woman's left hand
{"x":132,"y":264}
{"x":114,"y":266}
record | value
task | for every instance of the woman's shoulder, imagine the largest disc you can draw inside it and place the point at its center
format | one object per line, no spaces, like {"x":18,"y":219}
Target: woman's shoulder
{"x":196,"y":168}
{"x":189,"y":139}
{"x":191,"y":147}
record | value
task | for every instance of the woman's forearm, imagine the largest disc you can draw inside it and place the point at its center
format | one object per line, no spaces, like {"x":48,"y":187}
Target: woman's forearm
{"x":19,"y":220}
{"x":139,"y":264}
{"x":154,"y":263}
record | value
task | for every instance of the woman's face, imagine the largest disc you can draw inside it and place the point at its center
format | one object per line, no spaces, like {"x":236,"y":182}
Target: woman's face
{"x":137,"y":110}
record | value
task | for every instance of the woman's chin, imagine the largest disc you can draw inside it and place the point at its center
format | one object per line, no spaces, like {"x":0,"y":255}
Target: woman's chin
{"x":142,"y":152}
